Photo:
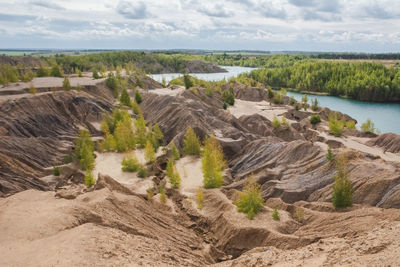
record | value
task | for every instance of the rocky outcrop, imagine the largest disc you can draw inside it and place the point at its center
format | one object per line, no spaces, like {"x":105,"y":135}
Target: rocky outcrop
{"x":389,"y":142}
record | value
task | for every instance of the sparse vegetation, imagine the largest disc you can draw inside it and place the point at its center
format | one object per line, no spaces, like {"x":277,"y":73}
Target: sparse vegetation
{"x":335,"y":126}
{"x":138,"y":96}
{"x":150,"y":193}
{"x":275,"y":214}
{"x":330,"y":156}
{"x":84,"y":148}
{"x":89,"y":179}
{"x":95,"y":75}
{"x":342,"y":196}
{"x":191,"y":143}
{"x":175,"y":152}
{"x":212,"y":163}
{"x":56,"y":171}
{"x":275,"y":122}
{"x":200,"y":198}
{"x":142,"y":172}
{"x":368,"y":126}
{"x":78,"y":87}
{"x":173,"y":174}
{"x":32,"y":89}
{"x":125,"y":99}
{"x":187,"y":81}
{"x":149,"y":153}
{"x":130,"y":163}
{"x":278,"y":99}
{"x":300,"y":215}
{"x":66,"y":84}
{"x":250,"y":200}
{"x":163,"y":195}
{"x":228,"y":97}
{"x":315,"y":119}
{"x":350,"y":124}
{"x":314,"y":104}
{"x":292,"y":101}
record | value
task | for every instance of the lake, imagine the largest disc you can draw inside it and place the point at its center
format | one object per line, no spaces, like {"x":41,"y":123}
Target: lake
{"x":233,"y":71}
{"x":386,"y":116}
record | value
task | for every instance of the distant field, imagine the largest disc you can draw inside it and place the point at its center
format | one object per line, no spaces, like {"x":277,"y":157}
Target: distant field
{"x":48,"y":53}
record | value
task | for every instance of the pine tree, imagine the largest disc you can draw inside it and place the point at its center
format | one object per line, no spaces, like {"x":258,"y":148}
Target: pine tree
{"x":275,"y":214}
{"x":124,"y":135}
{"x":342,"y":196}
{"x":212,"y":163}
{"x":187,"y":81}
{"x":149,"y":153}
{"x":66,"y":84}
{"x":175,"y":152}
{"x":140,"y":125}
{"x":158,"y":133}
{"x":138,"y":97}
{"x":125,"y":99}
{"x":191,"y":143}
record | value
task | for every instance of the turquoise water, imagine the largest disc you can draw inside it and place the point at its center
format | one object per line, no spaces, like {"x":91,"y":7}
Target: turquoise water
{"x":232,"y":72}
{"x":386,"y":116}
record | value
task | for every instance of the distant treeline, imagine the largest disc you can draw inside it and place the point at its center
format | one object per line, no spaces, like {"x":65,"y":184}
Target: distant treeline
{"x":357,"y":80}
{"x":389,"y":56}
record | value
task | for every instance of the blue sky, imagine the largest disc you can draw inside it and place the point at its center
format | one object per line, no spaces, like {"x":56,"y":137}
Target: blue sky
{"x":306,"y":25}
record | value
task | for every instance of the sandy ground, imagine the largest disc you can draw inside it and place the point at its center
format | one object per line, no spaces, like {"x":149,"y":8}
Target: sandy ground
{"x":168,"y":91}
{"x":189,"y":169}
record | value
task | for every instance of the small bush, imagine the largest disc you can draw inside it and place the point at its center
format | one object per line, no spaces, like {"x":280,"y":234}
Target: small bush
{"x":78,"y":87}
{"x":270,"y":93}
{"x":350,"y":124}
{"x":225,"y":106}
{"x":330,"y":156}
{"x":84,"y":148}
{"x":335,"y":126}
{"x":275,"y":122}
{"x":150,"y":193}
{"x":125,"y":99}
{"x":292,"y":100}
{"x":164,"y":82}
{"x":68,"y":159}
{"x":191,"y":143}
{"x":89,"y":180}
{"x":297,"y":107}
{"x":66,"y":84}
{"x":130,"y":164}
{"x":108,"y":144}
{"x":135,"y":108}
{"x":32,"y":89}
{"x":304,"y":99}
{"x":283,"y":91}
{"x":200,"y":198}
{"x":314,"y":104}
{"x":368,"y":126}
{"x":250,"y":200}
{"x":149,"y":153}
{"x":187,"y":81}
{"x":212,"y":163}
{"x":284,"y":123}
{"x":96,"y":75}
{"x":56,"y":171}
{"x":56,"y":71}
{"x":163,"y":195}
{"x":228,"y":97}
{"x":315,"y":119}
{"x":175,"y":152}
{"x":79,"y":73}
{"x":300,"y":215}
{"x":142,"y":173}
{"x":275,"y":214}
{"x":342,"y":195}
{"x":278,"y":99}
{"x":138,"y":96}
{"x":172,"y":174}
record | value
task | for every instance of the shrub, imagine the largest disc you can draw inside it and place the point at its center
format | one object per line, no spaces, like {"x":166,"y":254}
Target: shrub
{"x":200,"y":198}
{"x":56,"y":171}
{"x":96,"y":75}
{"x":130,"y":164}
{"x":79,"y":73}
{"x":142,"y":172}
{"x":163,"y":195}
{"x":250,"y":200}
{"x":191,"y":143}
{"x":66,"y":84}
{"x":350,"y":124}
{"x":330,"y":156}
{"x":225,"y":106}
{"x":136,"y":109}
{"x":149,"y":153}
{"x":314,"y":104}
{"x":275,"y":214}
{"x":278,"y":99}
{"x":212,"y":163}
{"x":297,"y":107}
{"x":164,"y":82}
{"x":84,"y":148}
{"x":315,"y":119}
{"x":68,"y":159}
{"x":342,"y":195}
{"x":138,"y":96}
{"x":32,"y":89}
{"x":125,"y":99}
{"x":124,"y":135}
{"x":175,"y":152}
{"x":89,"y":180}
{"x":304,"y":99}
{"x":157,"y":132}
{"x":42,"y":72}
{"x":284,"y":123}
{"x":140,"y":125}
{"x":187,"y":81}
{"x":300,"y":214}
{"x":112,"y":83}
{"x":270,"y":93}
{"x":228,"y":97}
{"x":173,"y":175}
{"x":335,"y":126}
{"x":78,"y":87}
{"x":368,"y":126}
{"x":150,"y":193}
{"x":292,"y":100}
{"x":56,"y":71}
{"x":283,"y":91}
{"x":275,"y":122}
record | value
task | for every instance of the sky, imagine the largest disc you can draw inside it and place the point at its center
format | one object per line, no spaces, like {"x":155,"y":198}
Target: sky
{"x":270,"y":25}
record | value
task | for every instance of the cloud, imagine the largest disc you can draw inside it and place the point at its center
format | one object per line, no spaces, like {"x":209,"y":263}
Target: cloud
{"x":377,"y":11}
{"x":47,"y":4}
{"x":132,"y":10}
{"x":215,"y":10}
{"x":269,"y":10}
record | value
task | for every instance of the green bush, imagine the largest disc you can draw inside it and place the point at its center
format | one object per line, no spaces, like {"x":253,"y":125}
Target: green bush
{"x":96,"y":75}
{"x":292,"y":101}
{"x":250,"y":200}
{"x":84,"y":148}
{"x":175,"y":152}
{"x":315,"y":119}
{"x":108,"y":144}
{"x":124,"y":135}
{"x":350,"y":124}
{"x":278,"y":99}
{"x":275,"y":214}
{"x":130,"y":164}
{"x":66,"y":84}
{"x":89,"y":180}
{"x":32,"y":89}
{"x":172,"y":174}
{"x":200,"y":198}
{"x":335,"y":126}
{"x":163,"y":195}
{"x":270,"y":93}
{"x":141,"y":130}
{"x":191,"y":143}
{"x":314,"y":104}
{"x":228,"y":97}
{"x":330,"y":156}
{"x":368,"y":126}
{"x":138,"y":96}
{"x":56,"y":171}
{"x":125,"y":99}
{"x":275,"y":122}
{"x":187,"y":81}
{"x":304,"y":99}
{"x":56,"y":71}
{"x":212,"y":163}
{"x":78,"y":87}
{"x":283,"y":91}
{"x":42,"y":72}
{"x":149,"y":153}
{"x":142,"y":173}
{"x":342,"y":196}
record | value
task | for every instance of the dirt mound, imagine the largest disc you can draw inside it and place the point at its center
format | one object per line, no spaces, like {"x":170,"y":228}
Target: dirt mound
{"x":27,"y":61}
{"x":245,"y":92}
{"x":37,"y":132}
{"x":389,"y":141}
